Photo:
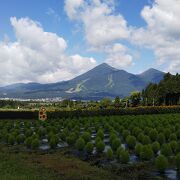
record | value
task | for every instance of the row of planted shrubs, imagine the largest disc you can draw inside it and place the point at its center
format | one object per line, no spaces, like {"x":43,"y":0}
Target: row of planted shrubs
{"x":89,"y":113}
{"x":147,"y":136}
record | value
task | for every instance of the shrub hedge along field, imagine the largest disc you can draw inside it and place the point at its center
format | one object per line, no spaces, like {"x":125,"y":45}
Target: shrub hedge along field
{"x":153,"y":138}
{"x":33,"y":114}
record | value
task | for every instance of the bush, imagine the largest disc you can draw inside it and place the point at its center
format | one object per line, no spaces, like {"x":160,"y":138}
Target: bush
{"x":100,"y":134}
{"x":153,"y":134}
{"x":138,"y":149}
{"x":178,"y":161}
{"x":28,"y":132}
{"x":28,"y":142}
{"x":35,"y":143}
{"x":161,"y":163}
{"x":131,"y":141}
{"x":97,"y":140}
{"x":146,"y":153}
{"x":63,"y":136}
{"x":173,"y":137}
{"x":115,"y":144}
{"x":167,"y":133}
{"x":80,"y":143}
{"x":140,"y":137}
{"x":100,"y":146}
{"x":155,"y":147}
{"x":125,"y":133}
{"x":42,"y":132}
{"x":161,"y":138}
{"x":124,"y":156}
{"x":109,"y":154}
{"x":166,"y":150}
{"x":71,"y":140}
{"x":112,"y":137}
{"x":118,"y":151}
{"x":11,"y":139}
{"x":86,"y":136}
{"x":53,"y":142}
{"x":173,"y":145}
{"x":89,"y":147}
{"x":146,"y":140}
{"x":20,"y":138}
{"x":178,"y":147}
{"x":178,"y":134}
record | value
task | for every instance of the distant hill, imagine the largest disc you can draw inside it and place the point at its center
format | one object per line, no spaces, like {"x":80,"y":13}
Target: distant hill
{"x":101,"y":81}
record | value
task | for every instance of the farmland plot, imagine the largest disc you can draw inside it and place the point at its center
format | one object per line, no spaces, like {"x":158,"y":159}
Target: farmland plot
{"x":112,"y":140}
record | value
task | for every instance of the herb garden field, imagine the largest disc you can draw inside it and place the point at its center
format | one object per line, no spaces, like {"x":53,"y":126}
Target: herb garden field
{"x":125,"y":146}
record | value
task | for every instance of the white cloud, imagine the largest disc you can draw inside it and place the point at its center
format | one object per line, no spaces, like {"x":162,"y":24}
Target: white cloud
{"x":71,"y":7}
{"x":102,"y":27}
{"x":118,"y":56}
{"x":162,"y":33}
{"x":37,"y":55}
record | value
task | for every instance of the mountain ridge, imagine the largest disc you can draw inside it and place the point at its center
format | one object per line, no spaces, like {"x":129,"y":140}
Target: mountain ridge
{"x":101,"y":81}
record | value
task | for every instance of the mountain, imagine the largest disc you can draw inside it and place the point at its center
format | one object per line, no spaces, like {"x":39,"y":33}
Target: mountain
{"x":101,"y":81}
{"x":152,"y":75}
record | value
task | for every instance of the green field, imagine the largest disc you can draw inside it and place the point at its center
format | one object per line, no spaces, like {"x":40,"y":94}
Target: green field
{"x":104,"y":147}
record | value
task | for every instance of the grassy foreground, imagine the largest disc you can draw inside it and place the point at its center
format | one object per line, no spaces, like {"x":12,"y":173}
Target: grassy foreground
{"x":16,"y":165}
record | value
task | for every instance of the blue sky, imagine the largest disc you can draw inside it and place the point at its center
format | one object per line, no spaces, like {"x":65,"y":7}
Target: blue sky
{"x":138,"y":51}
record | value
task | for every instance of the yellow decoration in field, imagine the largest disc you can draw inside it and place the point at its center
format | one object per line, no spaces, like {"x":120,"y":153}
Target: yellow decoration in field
{"x":42,"y":114}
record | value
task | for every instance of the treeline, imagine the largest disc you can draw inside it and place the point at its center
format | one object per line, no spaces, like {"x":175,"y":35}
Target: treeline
{"x":12,"y":104}
{"x":167,"y":92}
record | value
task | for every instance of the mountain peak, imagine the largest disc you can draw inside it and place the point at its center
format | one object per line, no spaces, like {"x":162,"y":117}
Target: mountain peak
{"x":152,"y":75}
{"x":151,"y":70}
{"x":105,"y":66}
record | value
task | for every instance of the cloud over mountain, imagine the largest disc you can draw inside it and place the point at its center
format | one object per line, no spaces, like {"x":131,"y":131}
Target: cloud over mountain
{"x":104,"y":28}
{"x":37,"y":55}
{"x":162,"y":32}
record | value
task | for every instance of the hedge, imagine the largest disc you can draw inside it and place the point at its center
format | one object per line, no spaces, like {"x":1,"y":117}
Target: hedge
{"x":10,"y":114}
{"x":110,"y":112}
{"x":14,"y":114}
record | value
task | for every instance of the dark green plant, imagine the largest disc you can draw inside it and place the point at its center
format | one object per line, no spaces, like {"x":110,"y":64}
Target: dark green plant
{"x":166,"y":150}
{"x":100,"y":134}
{"x":20,"y":138}
{"x":173,"y":145}
{"x":178,"y":161}
{"x":11,"y":139}
{"x":153,"y":134}
{"x":35,"y":144}
{"x":115,"y":144}
{"x":155,"y":146}
{"x":146,"y":140}
{"x":80,"y":143}
{"x":53,"y":142}
{"x":146,"y":153}
{"x":131,"y":141}
{"x":28,"y":142}
{"x":161,"y":163}
{"x":100,"y":146}
{"x":86,"y":136}
{"x":138,"y":149}
{"x":109,"y":154}
{"x":173,"y":137}
{"x":161,"y":138}
{"x":124,"y":156}
{"x":28,"y":132}
{"x":118,"y":151}
{"x":89,"y":147}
